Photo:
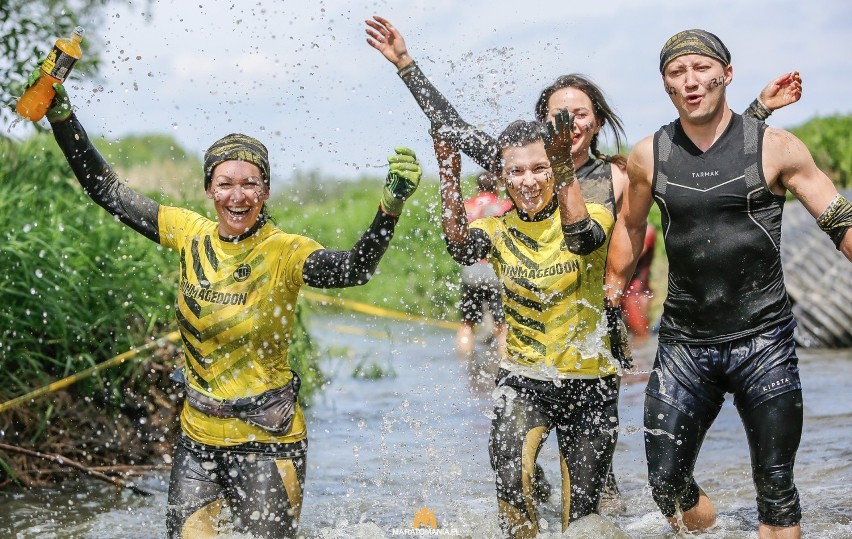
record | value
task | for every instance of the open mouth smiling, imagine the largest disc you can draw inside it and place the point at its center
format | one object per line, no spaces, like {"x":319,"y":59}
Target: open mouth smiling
{"x":238,"y":212}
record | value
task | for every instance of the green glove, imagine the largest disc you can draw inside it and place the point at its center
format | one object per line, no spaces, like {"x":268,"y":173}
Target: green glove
{"x":401,"y":182}
{"x":558,"y":136}
{"x":35,"y":74}
{"x":60,"y":107}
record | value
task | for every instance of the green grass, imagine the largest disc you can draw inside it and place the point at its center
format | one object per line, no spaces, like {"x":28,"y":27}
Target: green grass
{"x":416,"y":275}
{"x":830,"y":141}
{"x":65,"y":273}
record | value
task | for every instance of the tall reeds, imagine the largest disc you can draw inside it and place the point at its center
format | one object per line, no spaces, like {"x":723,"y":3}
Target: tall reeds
{"x":77,"y":287}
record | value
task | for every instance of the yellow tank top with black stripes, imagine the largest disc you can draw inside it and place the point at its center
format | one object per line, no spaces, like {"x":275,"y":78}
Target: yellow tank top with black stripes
{"x":235,"y":310}
{"x":552,"y":298}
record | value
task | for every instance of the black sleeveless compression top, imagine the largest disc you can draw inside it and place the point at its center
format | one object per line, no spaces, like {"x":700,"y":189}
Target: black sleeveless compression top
{"x":722,"y":231}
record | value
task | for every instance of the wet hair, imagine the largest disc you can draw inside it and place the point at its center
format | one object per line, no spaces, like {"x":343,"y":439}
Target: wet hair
{"x":518,"y":133}
{"x":486,"y":182}
{"x":601,"y":109}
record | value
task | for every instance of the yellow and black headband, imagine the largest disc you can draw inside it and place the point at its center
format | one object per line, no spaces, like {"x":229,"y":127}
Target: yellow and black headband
{"x":694,"y":42}
{"x":236,"y":147}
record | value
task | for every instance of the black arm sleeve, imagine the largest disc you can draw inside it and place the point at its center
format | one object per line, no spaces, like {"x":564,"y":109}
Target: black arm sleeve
{"x":340,"y":269}
{"x":101,"y":182}
{"x":584,"y":236}
{"x":477,"y":247}
{"x":480,"y":146}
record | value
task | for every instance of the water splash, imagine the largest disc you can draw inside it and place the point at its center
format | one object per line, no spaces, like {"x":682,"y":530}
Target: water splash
{"x":14,"y":123}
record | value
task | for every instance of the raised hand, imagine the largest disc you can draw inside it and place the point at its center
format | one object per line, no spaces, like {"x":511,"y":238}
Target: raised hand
{"x":402,"y":180}
{"x":386,"y":39}
{"x":60,"y":107}
{"x":558,"y":135}
{"x":783,"y":91}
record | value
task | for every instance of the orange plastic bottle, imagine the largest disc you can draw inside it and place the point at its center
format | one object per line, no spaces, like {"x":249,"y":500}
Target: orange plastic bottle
{"x":36,"y":99}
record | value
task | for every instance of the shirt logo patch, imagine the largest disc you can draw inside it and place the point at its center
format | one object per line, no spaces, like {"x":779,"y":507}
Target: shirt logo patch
{"x":242,"y":272}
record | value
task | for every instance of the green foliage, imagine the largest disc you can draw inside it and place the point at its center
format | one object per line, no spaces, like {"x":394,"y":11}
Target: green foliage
{"x":67,"y":300}
{"x":830,"y":141}
{"x":416,"y":275}
{"x":370,"y":370}
{"x":304,"y":358}
{"x":149,"y":150}
{"x":28,"y":29}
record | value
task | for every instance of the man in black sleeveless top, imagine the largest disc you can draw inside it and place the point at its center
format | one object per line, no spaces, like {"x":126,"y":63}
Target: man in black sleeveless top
{"x":720,"y":181}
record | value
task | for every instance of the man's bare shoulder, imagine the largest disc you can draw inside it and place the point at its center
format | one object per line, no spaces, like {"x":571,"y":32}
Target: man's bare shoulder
{"x":640,"y":162}
{"x":775,"y":140}
{"x":784,"y":155}
{"x":788,"y":164}
{"x":643,"y":148}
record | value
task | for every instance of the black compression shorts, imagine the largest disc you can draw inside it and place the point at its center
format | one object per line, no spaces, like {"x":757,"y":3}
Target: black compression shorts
{"x":695,"y":379}
{"x":684,"y":395}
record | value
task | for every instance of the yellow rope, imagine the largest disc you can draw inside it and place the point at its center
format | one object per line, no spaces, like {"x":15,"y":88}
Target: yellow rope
{"x":351,"y":330}
{"x":175,"y":336}
{"x":68,"y":380}
{"x":377,"y":311}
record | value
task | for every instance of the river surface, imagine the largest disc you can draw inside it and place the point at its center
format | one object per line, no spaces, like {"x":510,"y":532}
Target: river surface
{"x":383,"y":448}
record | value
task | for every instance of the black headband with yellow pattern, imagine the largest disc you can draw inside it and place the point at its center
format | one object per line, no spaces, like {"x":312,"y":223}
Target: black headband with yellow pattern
{"x":236,"y":147}
{"x":694,"y":42}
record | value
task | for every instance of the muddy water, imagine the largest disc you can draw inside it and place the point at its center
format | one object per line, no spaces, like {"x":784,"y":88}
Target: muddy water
{"x":383,"y":448}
